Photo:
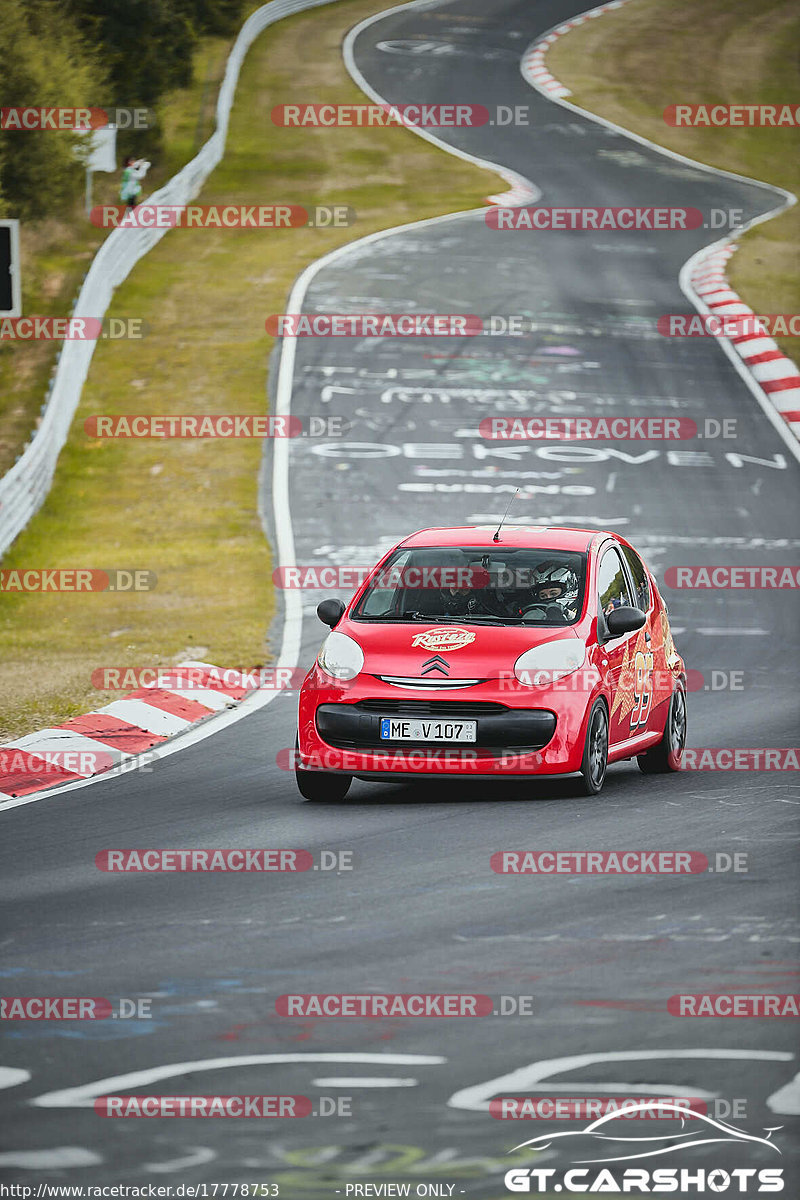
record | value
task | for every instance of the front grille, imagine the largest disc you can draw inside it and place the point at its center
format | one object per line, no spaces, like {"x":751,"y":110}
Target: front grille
{"x":357,"y":726}
{"x":448,"y":709}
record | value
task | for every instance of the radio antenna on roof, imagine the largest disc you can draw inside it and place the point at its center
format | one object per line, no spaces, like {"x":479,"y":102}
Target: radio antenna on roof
{"x":496,"y":537}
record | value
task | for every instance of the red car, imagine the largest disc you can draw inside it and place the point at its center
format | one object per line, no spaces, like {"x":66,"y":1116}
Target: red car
{"x":475,"y":652}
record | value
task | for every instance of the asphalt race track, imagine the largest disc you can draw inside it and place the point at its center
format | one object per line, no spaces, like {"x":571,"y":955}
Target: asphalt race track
{"x":421,"y":910}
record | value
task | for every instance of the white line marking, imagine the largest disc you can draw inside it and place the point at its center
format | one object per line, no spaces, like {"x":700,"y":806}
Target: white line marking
{"x":786,"y":1101}
{"x":477,"y":1097}
{"x":85,"y":1094}
{"x":13,"y":1076}
{"x":198,"y":1156}
{"x":364,"y":1081}
{"x":49,"y":1160}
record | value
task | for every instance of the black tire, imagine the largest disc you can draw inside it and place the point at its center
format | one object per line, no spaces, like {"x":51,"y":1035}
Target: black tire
{"x":595,"y":750}
{"x":322,"y":786}
{"x":667,"y":755}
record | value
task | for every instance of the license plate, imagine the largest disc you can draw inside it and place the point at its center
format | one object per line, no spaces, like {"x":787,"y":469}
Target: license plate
{"x":401,"y":729}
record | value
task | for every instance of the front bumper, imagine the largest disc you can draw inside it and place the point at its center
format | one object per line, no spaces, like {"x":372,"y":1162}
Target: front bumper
{"x":520,"y":730}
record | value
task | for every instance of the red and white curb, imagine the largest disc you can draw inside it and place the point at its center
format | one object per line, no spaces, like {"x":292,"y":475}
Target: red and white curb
{"x":533,"y":68}
{"x":773,"y":371}
{"x":770,"y":374}
{"x":117,"y":733}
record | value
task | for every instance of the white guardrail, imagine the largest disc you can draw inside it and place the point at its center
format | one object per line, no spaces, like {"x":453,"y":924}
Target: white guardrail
{"x":24,"y":487}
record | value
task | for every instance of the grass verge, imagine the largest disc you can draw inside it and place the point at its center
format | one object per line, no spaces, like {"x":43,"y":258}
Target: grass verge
{"x":187,"y":510}
{"x":629,"y":64}
{"x":56,"y":253}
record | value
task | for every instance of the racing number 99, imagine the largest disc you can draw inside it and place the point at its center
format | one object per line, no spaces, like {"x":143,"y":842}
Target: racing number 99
{"x":642,"y":688}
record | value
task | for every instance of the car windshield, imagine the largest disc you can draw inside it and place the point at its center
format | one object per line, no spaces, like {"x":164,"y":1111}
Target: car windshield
{"x":502,"y":586}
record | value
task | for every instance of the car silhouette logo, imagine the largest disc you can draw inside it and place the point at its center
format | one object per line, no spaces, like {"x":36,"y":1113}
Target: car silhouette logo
{"x":675,"y":1143}
{"x":437,"y":663}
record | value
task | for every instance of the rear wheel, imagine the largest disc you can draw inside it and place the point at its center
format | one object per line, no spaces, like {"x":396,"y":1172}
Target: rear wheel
{"x":595,"y":750}
{"x":667,"y":755}
{"x":322,"y":786}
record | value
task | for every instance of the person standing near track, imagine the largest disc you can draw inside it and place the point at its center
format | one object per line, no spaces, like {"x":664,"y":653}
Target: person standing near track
{"x":133,"y":172}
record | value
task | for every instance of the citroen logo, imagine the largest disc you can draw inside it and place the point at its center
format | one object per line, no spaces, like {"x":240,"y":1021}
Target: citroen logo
{"x":437,"y":663}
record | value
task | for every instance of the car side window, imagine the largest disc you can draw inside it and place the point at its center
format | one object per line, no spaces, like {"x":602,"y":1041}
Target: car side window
{"x":639,"y":576}
{"x":612,"y":583}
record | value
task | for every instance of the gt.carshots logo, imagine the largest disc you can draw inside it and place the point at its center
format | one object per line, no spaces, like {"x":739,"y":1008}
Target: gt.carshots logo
{"x":702,"y":1130}
{"x":638,"y":1181}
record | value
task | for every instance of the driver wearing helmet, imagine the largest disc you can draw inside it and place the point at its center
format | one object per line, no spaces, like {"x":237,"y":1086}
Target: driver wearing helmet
{"x":554,"y":592}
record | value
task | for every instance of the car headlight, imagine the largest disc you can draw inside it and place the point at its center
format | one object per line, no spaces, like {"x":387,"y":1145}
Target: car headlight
{"x":550,"y":661}
{"x":340,"y":656}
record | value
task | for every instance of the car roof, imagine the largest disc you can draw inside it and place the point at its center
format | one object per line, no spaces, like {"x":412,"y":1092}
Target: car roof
{"x":540,"y":537}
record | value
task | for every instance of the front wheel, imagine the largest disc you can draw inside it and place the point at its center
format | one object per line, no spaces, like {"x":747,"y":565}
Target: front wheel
{"x":595,"y":750}
{"x":322,"y":786}
{"x":667,"y":755}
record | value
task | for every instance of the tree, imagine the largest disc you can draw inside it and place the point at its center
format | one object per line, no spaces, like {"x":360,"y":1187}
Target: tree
{"x":45,"y":64}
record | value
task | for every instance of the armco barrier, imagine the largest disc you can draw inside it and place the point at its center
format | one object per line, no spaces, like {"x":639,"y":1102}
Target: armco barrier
{"x":24,"y":488}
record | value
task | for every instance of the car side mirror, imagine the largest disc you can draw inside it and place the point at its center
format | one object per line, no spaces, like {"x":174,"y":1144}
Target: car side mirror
{"x":330,"y":612}
{"x":624,"y":620}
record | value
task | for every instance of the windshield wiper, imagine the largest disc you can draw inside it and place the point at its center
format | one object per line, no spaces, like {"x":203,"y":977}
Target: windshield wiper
{"x":474,"y":618}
